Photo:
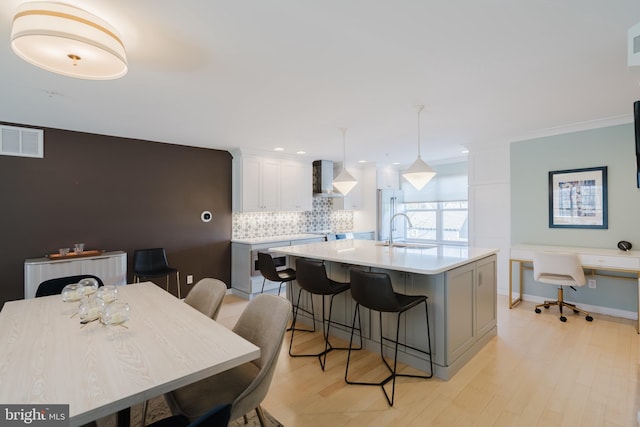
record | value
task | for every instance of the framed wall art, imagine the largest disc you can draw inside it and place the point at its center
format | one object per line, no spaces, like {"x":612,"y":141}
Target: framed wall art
{"x":578,"y":198}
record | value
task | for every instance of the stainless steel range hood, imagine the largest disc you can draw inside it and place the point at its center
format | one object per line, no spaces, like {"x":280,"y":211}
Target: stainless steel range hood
{"x":323,"y":179}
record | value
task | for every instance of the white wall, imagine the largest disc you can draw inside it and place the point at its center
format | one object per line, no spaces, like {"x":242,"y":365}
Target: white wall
{"x":365,"y":219}
{"x":531,"y":162}
{"x":489,"y":205}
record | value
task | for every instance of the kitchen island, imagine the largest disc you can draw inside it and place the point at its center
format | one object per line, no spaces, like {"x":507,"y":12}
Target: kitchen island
{"x":246,"y":279}
{"x":460,"y":282}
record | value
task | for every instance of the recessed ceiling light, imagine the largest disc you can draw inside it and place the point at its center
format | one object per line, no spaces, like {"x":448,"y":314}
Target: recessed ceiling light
{"x":278,"y":149}
{"x":395,"y":163}
{"x":362,"y":161}
{"x":465,"y":151}
{"x":301,"y":152}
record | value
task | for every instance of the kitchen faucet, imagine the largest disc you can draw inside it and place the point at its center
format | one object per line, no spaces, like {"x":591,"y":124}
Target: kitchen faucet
{"x":391,"y":226}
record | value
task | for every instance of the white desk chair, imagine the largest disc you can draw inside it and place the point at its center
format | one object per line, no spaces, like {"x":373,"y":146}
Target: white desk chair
{"x":560,"y":269}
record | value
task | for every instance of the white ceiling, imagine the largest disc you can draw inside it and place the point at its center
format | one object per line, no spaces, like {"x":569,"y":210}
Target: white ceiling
{"x":259,"y":74}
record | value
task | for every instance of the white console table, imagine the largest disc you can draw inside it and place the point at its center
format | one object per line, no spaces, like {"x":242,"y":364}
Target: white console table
{"x":591,"y":258}
{"x":110,"y":267}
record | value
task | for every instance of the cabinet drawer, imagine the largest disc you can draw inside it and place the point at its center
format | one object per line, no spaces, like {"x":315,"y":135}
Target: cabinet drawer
{"x":610,"y":262}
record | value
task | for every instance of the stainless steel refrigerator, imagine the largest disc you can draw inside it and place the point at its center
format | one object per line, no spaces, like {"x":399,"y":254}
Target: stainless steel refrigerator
{"x":389,"y":204}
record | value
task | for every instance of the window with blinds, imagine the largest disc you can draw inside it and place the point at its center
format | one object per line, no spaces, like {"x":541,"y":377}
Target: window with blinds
{"x":439,"y":212}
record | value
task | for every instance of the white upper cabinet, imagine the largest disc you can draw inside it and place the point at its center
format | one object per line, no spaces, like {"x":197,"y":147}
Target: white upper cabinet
{"x":353,"y":200}
{"x":256,"y":183}
{"x":296,"y":190}
{"x":388,"y":179}
{"x":270,"y":184}
{"x":262,"y":184}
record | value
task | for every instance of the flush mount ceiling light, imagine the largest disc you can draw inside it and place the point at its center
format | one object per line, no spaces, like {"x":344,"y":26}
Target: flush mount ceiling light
{"x":344,"y":182}
{"x":69,"y":41}
{"x":419,"y":173}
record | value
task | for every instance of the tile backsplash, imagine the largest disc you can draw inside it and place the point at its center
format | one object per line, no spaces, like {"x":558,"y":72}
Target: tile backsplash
{"x":322,"y":217}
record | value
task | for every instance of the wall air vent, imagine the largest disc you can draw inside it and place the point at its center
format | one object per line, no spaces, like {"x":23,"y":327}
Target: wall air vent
{"x":22,"y":142}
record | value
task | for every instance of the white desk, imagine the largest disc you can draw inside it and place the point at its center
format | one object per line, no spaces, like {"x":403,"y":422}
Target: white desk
{"x":591,"y":258}
{"x":46,"y":357}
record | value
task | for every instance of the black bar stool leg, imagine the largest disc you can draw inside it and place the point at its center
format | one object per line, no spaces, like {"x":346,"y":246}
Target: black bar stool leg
{"x":294,"y":308}
{"x":356,"y":314}
{"x":393,"y":372}
{"x":326,"y":329}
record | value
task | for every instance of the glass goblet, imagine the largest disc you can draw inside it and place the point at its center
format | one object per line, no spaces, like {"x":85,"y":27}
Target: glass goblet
{"x":72,"y":292}
{"x":89,"y":310}
{"x":116,"y":313}
{"x":90,"y":285}
{"x":108,"y":293}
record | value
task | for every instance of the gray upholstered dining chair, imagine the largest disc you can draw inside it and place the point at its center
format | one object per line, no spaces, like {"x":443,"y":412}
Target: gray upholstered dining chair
{"x":206,"y":296}
{"x":263,"y":322}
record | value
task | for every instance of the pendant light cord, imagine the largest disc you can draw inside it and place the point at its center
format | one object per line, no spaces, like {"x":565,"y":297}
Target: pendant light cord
{"x":419,"y":108}
{"x":344,"y":148}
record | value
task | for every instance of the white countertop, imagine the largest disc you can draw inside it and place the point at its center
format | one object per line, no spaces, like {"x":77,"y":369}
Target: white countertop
{"x":274,"y":239}
{"x":368,"y":253}
{"x":104,"y":254}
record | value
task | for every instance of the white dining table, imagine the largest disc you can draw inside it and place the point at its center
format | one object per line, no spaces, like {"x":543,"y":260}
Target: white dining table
{"x":48,"y":357}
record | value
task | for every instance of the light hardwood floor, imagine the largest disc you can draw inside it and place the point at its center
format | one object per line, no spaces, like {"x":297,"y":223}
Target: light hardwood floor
{"x":536,"y":372}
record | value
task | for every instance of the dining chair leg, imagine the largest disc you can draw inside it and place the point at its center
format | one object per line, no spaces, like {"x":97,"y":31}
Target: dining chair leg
{"x":261,"y":417}
{"x":178,"y":283}
{"x":123,"y":417}
{"x":143,"y":420}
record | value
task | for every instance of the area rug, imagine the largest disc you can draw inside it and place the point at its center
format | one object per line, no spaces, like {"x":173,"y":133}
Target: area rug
{"x":158,"y":409}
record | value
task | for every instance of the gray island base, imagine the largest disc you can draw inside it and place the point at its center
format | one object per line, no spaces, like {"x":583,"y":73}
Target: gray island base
{"x":460,"y":282}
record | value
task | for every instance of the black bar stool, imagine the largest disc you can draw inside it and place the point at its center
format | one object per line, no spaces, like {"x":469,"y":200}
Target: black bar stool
{"x":152,"y":263}
{"x":311,"y":276}
{"x":268,"y":270}
{"x":375,"y":292}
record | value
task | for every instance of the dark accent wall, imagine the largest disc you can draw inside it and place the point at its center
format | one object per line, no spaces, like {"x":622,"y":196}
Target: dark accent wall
{"x":115,"y":194}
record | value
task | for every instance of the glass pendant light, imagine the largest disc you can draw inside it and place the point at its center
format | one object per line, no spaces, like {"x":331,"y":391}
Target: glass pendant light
{"x":419,"y":173}
{"x":344,"y":182}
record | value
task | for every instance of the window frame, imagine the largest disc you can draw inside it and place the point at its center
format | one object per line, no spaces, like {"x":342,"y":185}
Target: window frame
{"x":439,"y":216}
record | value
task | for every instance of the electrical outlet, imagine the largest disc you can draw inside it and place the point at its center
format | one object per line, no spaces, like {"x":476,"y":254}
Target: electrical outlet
{"x":592,"y":283}
{"x":190,"y":279}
